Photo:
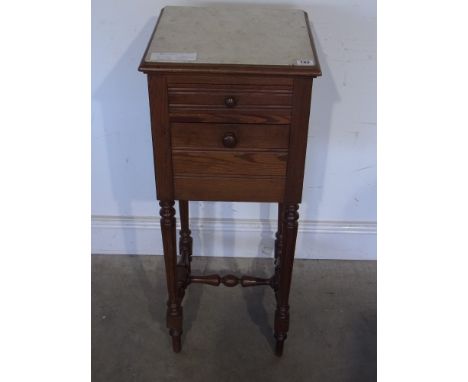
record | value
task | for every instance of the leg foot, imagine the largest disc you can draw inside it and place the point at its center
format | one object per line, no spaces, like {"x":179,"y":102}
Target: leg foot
{"x":281,"y":327}
{"x":279,"y":347}
{"x":176,"y":341}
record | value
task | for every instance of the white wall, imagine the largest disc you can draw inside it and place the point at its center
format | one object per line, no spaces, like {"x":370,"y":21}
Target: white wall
{"x":338,"y":212}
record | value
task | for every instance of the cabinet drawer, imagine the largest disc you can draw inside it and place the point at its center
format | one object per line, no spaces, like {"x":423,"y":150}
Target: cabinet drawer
{"x":214,"y":136}
{"x":229,"y":96}
{"x":229,"y":163}
{"x":229,"y":189}
{"x":219,"y":115}
{"x":230,"y":100}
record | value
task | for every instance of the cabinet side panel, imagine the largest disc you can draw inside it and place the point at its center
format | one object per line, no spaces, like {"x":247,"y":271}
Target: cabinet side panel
{"x":160,"y":131}
{"x":302,"y":91}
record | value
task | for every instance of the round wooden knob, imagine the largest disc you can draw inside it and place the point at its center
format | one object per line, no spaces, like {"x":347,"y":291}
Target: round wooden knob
{"x":230,"y":101}
{"x":229,"y":140}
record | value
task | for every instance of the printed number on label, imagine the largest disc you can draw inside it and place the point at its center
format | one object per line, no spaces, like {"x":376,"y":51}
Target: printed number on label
{"x":305,"y":62}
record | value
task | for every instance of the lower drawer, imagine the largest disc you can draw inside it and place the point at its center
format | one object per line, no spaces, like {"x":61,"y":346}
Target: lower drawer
{"x":211,"y":135}
{"x":229,"y":189}
{"x":229,"y":163}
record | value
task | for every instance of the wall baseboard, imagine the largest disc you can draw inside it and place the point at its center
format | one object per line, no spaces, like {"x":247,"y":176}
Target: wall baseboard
{"x":236,"y":238}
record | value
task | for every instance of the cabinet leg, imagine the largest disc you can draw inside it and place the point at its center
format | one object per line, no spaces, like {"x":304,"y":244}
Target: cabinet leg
{"x":289,"y":219}
{"x":185,"y":240}
{"x":185,"y":249}
{"x":278,"y":246}
{"x":174,"y":310}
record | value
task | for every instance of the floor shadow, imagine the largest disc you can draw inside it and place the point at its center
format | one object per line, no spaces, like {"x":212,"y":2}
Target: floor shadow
{"x":151,"y":287}
{"x":255,"y":297}
{"x":193,"y":293}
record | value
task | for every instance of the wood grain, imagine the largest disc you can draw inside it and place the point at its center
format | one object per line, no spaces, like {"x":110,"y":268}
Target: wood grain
{"x":228,"y":163}
{"x":216,"y":97}
{"x":217,"y":84}
{"x":210,"y":135}
{"x":236,"y":115}
{"x":160,"y":132}
{"x":229,"y":189}
{"x":298,"y":139}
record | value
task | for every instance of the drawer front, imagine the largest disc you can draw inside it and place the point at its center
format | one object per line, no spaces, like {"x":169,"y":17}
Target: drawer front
{"x":229,"y":137}
{"x":239,"y":137}
{"x":207,"y":115}
{"x":229,"y":163}
{"x":225,"y":101}
{"x":229,"y":189}
{"x":231,"y":96}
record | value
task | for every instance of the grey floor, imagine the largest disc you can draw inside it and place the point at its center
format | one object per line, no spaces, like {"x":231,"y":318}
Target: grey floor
{"x":228,"y":331}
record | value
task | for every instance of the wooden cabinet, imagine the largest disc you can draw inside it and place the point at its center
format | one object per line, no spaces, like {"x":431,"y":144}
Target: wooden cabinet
{"x":229,"y":93}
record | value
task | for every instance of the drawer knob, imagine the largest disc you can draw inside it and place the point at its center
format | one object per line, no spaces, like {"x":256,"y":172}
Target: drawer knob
{"x":229,"y":140}
{"x":230,"y":101}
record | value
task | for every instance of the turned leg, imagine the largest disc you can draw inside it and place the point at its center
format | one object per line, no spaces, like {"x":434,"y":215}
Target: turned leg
{"x":185,"y":240}
{"x":174,"y":310}
{"x":286,"y":256}
{"x":278,"y":246}
{"x":185,"y":250}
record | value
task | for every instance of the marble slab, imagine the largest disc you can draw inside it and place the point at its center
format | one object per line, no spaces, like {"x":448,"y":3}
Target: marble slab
{"x":246,"y":35}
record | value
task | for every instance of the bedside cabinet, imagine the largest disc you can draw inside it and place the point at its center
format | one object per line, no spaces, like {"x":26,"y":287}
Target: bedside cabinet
{"x":229,"y":93}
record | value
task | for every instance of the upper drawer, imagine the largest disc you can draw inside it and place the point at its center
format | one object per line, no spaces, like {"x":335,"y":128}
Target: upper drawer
{"x":229,"y":96}
{"x":219,"y":115}
{"x":230,"y":99}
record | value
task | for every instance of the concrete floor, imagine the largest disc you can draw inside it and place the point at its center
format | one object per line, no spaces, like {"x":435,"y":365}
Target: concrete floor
{"x":228,"y":333}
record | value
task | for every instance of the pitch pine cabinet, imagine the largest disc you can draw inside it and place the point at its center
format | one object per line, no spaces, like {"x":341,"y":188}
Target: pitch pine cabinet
{"x":229,"y":94}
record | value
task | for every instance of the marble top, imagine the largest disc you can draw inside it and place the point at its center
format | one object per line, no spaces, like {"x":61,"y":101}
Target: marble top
{"x":248,"y":35}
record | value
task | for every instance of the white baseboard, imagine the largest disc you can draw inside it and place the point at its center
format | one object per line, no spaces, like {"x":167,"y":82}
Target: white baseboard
{"x":236,"y":238}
